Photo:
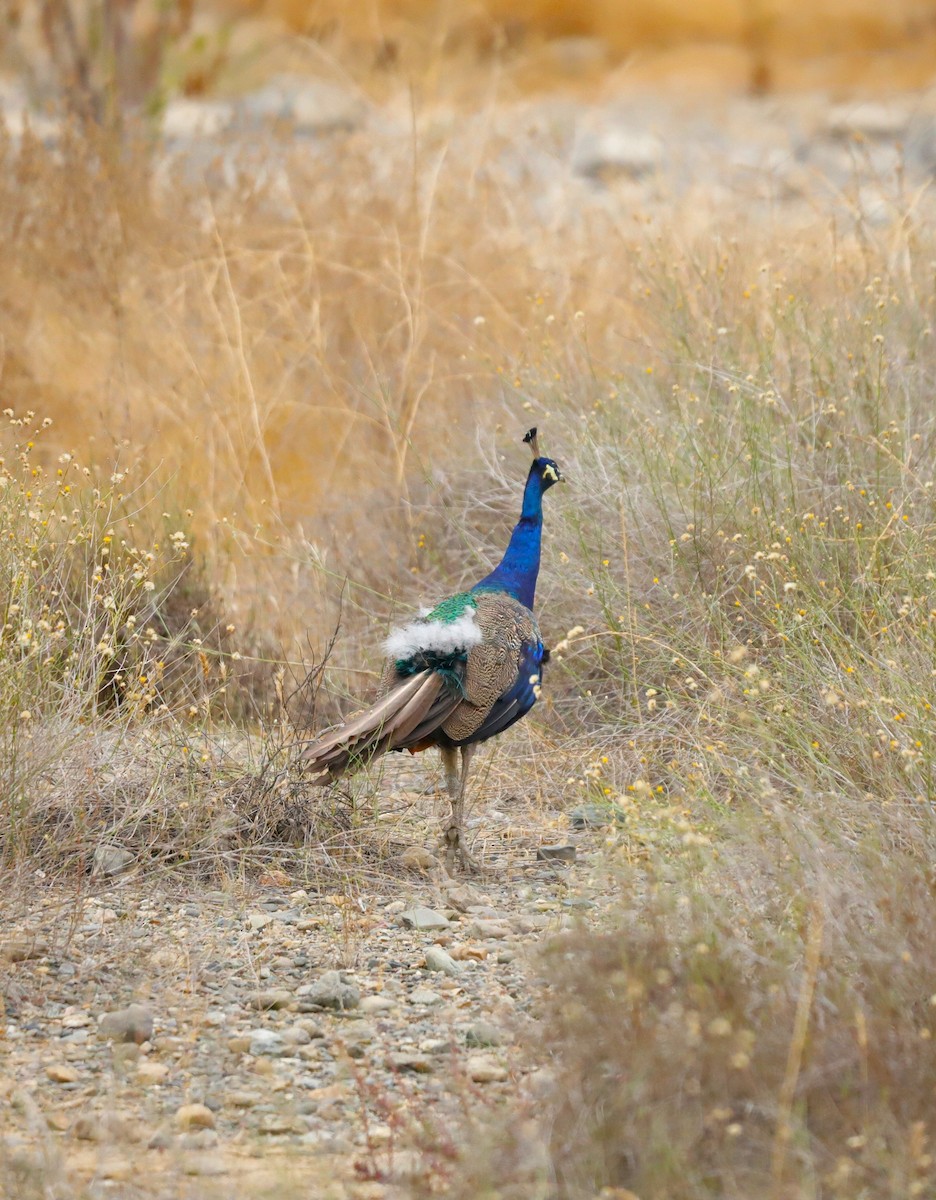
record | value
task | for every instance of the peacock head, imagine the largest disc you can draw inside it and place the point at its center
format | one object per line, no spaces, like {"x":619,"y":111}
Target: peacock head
{"x":546,"y":468}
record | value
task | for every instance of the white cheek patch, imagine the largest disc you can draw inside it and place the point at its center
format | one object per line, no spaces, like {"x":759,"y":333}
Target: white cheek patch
{"x":440,"y":637}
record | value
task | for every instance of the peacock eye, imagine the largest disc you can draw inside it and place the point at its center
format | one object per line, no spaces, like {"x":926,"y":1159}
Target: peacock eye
{"x":550,"y":473}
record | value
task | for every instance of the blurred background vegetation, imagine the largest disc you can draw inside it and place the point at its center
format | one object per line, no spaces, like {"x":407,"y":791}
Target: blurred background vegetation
{"x":136,"y":52}
{"x":258,"y":382}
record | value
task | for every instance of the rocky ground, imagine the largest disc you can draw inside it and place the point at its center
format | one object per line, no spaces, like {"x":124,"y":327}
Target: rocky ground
{"x":259,"y":1039}
{"x":618,"y":149}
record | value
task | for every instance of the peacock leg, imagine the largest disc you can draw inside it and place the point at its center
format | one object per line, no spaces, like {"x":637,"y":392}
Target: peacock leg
{"x":457,"y":787}
{"x":450,"y":832}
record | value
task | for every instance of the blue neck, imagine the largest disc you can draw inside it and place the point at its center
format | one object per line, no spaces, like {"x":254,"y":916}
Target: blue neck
{"x":516,"y":573}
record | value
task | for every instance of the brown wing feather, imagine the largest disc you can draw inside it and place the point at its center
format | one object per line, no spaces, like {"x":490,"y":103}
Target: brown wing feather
{"x":386,"y":725}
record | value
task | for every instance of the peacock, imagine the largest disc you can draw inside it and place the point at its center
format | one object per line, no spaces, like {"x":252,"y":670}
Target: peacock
{"x":460,"y":673}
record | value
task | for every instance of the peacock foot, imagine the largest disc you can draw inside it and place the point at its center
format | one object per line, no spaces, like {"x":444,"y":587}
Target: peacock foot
{"x":457,"y":852}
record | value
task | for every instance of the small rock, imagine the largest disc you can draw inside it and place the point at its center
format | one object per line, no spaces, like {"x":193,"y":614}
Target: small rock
{"x":106,"y":1126}
{"x":277,"y":1123}
{"x":198,"y":1139}
{"x":596,"y":816}
{"x":22,"y":949}
{"x":110,"y":860}
{"x":88,"y":1129}
{"x":488,"y":930}
{"x":194,"y":1116}
{"x":486,"y":1033}
{"x":62,"y":1073}
{"x":114,"y":1168}
{"x":468,"y":951}
{"x":438,"y":960}
{"x":561,"y":852}
{"x":327,"y":1143}
{"x":242,"y":1099}
{"x":483,"y":1068}
{"x":270,"y":998}
{"x":331,"y":991}
{"x":374,"y":1004}
{"x":425,"y":996}
{"x":313,"y":1028}
{"x":125,"y":1054}
{"x":265,"y":1043}
{"x":77,"y":1020}
{"x":609,"y":153}
{"x":436,"y":1046}
{"x":21,"y":1101}
{"x":161,"y":1139}
{"x":418,"y":1064}
{"x":257,"y":921}
{"x":871,"y":119}
{"x":416,"y":858}
{"x":149,"y":1073}
{"x":131,"y":1024}
{"x":295,"y":1035}
{"x":423,"y":919}
{"x":463,"y":896}
{"x":313,"y":106}
{"x":184,"y":118}
{"x":532,"y":923}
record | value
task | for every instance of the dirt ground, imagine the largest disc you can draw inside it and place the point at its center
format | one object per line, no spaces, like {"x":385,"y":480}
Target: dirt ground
{"x":259,"y":1039}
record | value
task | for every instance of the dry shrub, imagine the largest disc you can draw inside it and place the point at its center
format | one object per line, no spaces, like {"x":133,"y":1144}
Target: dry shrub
{"x":758,"y":1022}
{"x":116,"y":666}
{"x":104,"y":60}
{"x":699,"y":1057}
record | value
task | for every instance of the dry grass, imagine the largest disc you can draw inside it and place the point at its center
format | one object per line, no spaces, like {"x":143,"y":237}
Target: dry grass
{"x":299,"y":383}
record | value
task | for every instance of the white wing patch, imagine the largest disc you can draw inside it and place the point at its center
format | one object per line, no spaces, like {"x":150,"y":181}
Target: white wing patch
{"x":442,"y":637}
